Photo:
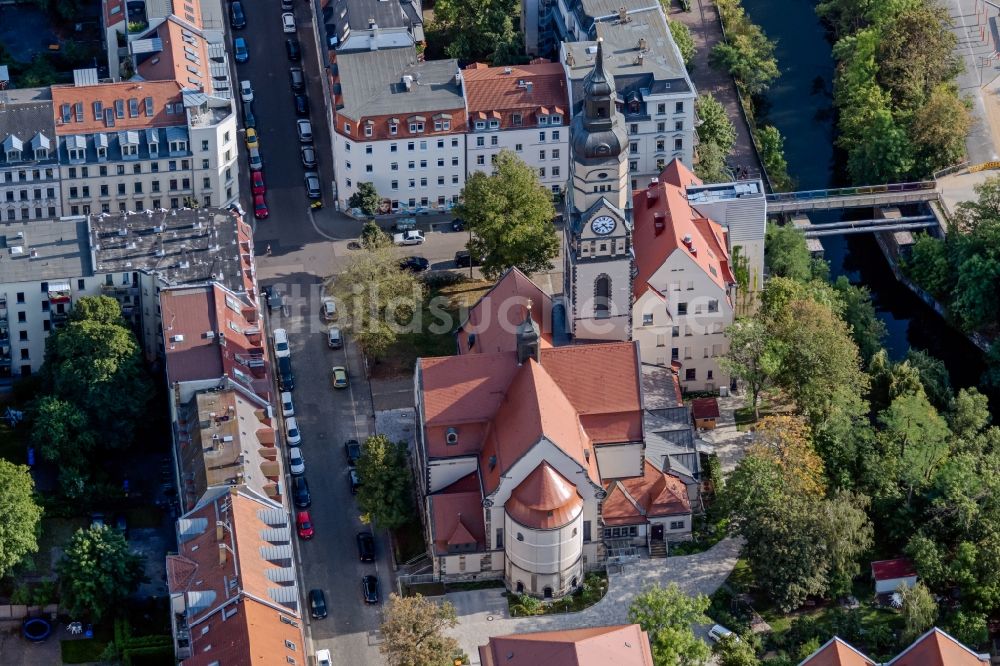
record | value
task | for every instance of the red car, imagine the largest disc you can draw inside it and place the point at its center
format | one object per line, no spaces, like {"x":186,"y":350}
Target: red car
{"x":257,"y":182}
{"x":260,"y":207}
{"x":305,"y":525}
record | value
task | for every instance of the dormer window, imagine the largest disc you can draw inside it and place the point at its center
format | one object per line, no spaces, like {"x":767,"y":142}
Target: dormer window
{"x":102,"y":153}
{"x":369,"y":129}
{"x":555,"y":120}
{"x":543,"y":120}
{"x":178,"y":146}
{"x":129,"y":150}
{"x":76,"y":154}
{"x":515,"y":119}
{"x":393,"y":128}
{"x":41,"y":153}
{"x":494,"y":124}
{"x":480,"y":125}
{"x":13,"y":155}
{"x":347,"y":128}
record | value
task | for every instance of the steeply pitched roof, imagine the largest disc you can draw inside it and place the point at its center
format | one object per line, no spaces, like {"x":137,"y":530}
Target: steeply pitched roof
{"x":654,"y":494}
{"x":664,"y":222}
{"x":457,"y":515}
{"x":503,"y":88}
{"x":544,"y":500}
{"x":495,"y":316}
{"x":836,"y":652}
{"x":123,"y":99}
{"x":936,"y":648}
{"x":622,"y":645}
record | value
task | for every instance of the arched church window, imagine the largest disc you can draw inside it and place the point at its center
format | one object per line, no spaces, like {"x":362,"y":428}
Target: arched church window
{"x":602,"y":296}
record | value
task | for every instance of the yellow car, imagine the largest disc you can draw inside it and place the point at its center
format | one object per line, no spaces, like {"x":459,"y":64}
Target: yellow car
{"x":252,"y":138}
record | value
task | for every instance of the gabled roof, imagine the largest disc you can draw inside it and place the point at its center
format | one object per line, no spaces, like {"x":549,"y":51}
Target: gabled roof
{"x":457,"y":515}
{"x":663,"y":204}
{"x":495,"y":316}
{"x":654,"y":494}
{"x":836,"y":652}
{"x":937,"y":648}
{"x":901,"y":567}
{"x":503,"y":88}
{"x":544,"y":500}
{"x":622,"y":645}
{"x":117,"y":97}
{"x":705,"y":408}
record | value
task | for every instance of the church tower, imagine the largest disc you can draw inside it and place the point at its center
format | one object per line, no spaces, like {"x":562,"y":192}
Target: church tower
{"x":598,"y":218}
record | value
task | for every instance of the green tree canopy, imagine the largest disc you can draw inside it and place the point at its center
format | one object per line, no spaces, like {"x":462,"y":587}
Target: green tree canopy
{"x":711,"y":166}
{"x":21,"y":515}
{"x":715,"y":127}
{"x":785,"y":252}
{"x":97,"y":572}
{"x":666,"y":614}
{"x":867,"y":330}
{"x":384,"y":496}
{"x":510,"y":216}
{"x":480,"y":31}
{"x":365,"y":198}
{"x":919,"y":610}
{"x":752,"y":357}
{"x":730,"y":651}
{"x":685,"y":42}
{"x":413,"y":632}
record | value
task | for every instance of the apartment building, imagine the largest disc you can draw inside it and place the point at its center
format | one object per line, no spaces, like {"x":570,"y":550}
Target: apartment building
{"x":399,"y":124}
{"x":233,"y":583}
{"x":656,"y":96}
{"x":29,"y":169}
{"x":524,"y":109}
{"x":363,"y":25}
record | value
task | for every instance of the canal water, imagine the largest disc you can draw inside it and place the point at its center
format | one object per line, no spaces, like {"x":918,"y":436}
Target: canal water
{"x":800,"y":105}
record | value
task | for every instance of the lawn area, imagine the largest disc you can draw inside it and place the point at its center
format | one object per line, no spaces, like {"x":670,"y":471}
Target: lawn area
{"x":84,"y":650}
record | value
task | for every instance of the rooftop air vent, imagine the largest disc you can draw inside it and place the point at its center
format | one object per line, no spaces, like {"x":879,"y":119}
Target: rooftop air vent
{"x":177,"y":338}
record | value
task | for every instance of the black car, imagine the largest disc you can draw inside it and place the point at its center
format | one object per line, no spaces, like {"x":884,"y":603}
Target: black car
{"x":301,"y":105}
{"x":464,"y":258}
{"x":308,"y":157}
{"x":249,"y":120}
{"x":355,"y":481}
{"x":300,"y":492}
{"x":273,"y":298}
{"x":366,"y":546}
{"x":353,"y":450}
{"x":414,"y":264}
{"x":236,"y":16}
{"x":317,"y":604}
{"x":293,"y":49}
{"x":369,"y":588}
{"x":458,"y":224}
{"x":286,"y":378}
{"x":297,"y":78}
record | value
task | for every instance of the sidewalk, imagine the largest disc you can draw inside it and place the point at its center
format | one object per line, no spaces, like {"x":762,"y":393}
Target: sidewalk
{"x":703,"y":21}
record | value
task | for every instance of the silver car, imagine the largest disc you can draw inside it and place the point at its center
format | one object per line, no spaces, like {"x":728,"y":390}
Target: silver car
{"x":305,"y":130}
{"x":296,"y":463}
{"x":308,"y":157}
{"x":312,"y":185}
{"x":256,"y":161}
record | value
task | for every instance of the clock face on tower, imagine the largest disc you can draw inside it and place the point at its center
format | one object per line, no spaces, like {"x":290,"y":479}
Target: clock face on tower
{"x":603,"y":225}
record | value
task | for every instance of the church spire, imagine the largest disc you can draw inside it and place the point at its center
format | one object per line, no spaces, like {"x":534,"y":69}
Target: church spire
{"x":598,"y":94}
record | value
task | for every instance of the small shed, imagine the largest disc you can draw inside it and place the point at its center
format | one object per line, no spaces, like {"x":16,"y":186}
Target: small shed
{"x":888,"y":574}
{"x":705,"y":412}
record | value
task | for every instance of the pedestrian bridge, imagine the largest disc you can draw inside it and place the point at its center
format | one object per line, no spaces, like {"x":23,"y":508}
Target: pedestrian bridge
{"x":865,"y":196}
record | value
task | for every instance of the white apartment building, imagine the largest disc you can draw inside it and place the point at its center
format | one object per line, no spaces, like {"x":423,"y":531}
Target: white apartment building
{"x":29,"y":170}
{"x":400,"y":125}
{"x":360,"y":25}
{"x":684,"y":283}
{"x":655,"y":94}
{"x":524,"y":109}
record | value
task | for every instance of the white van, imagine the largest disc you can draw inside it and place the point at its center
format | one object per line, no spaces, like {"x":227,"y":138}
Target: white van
{"x":718,"y":632}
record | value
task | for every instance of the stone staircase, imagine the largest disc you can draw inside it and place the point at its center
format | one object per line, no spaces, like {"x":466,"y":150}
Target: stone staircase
{"x":657,"y":549}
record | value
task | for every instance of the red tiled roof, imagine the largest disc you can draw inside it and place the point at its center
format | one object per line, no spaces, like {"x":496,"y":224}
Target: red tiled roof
{"x":705,"y":408}
{"x":252,"y":635}
{"x":172,"y":64}
{"x":888,"y":569}
{"x":837,"y":653}
{"x":161,"y":92}
{"x":936,"y":648}
{"x":457,"y":518}
{"x":664,"y":202}
{"x":544,"y":500}
{"x":114,"y":12}
{"x":654,"y":494}
{"x":489,"y":89}
{"x":623,"y":645}
{"x":495,"y":317}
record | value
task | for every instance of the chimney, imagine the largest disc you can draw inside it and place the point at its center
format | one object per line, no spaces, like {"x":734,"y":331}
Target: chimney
{"x":622,"y":14}
{"x":527,"y":339}
{"x":570,"y":60}
{"x":222,"y":554}
{"x":687,"y":240}
{"x":659,"y":223}
{"x":219,"y":530}
{"x":642,"y":44}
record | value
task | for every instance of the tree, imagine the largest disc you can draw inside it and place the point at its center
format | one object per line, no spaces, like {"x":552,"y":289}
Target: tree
{"x":666,"y":614}
{"x":100,"y":309}
{"x":384,"y":496}
{"x":867,"y":329}
{"x":685,"y":43}
{"x":751,"y":357}
{"x":412,"y":632}
{"x":477,"y":30}
{"x":21,"y":515}
{"x":372,"y":236}
{"x":749,"y":57}
{"x":969,"y":628}
{"x":715,"y":125}
{"x":928,"y":265}
{"x":378,"y":296}
{"x":786,"y":440}
{"x":510,"y":216}
{"x":919,"y":610}
{"x":785,"y":252}
{"x":365,"y":198}
{"x":772,"y":156}
{"x":97,"y":571}
{"x":939,"y":128}
{"x":920,"y":436}
{"x":933,"y":377}
{"x":62,"y":433}
{"x":730,"y":651}
{"x":711,"y":166}
{"x":847,"y":533}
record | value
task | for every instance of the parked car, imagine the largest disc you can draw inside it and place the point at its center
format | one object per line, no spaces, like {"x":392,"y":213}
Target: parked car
{"x":287,"y":406}
{"x":296,"y":77}
{"x":301,"y":105}
{"x":308,"y":157}
{"x":412,"y":237}
{"x":300,"y":492}
{"x":286,"y":378}
{"x":292,"y":432}
{"x":718,"y":632}
{"x":249,"y":120}
{"x":260,"y":206}
{"x":334,"y":338}
{"x":458,"y":224}
{"x":296,"y":463}
{"x":311,"y":180}
{"x":414,"y":264}
{"x":257,"y":185}
{"x":246,"y":91}
{"x":366,"y":546}
{"x":355,"y":481}
{"x":305,"y":130}
{"x":251,"y":138}
{"x":464,"y":259}
{"x":353,"y":450}
{"x":237,"y":18}
{"x":288,"y":22}
{"x":323,"y":658}
{"x":339,"y":377}
{"x":317,"y":604}
{"x":274,"y":299}
{"x":303,"y":521}
{"x":255,"y":160}
{"x":281,"y":347}
{"x":328,"y":309}
{"x":369,"y":588}
{"x":293,"y":49}
{"x":240,"y":49}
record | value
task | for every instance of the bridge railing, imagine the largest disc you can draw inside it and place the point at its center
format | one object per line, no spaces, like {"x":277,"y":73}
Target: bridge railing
{"x":862,"y":190}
